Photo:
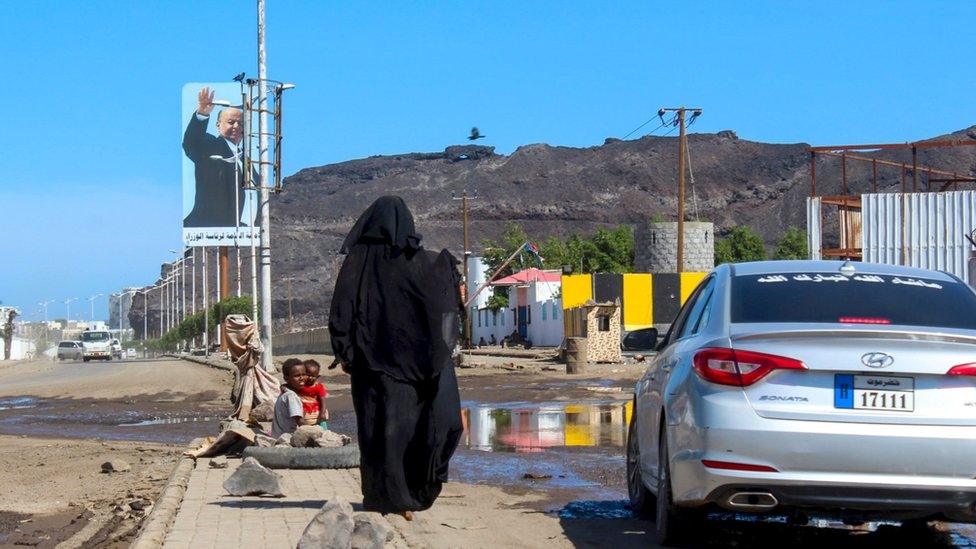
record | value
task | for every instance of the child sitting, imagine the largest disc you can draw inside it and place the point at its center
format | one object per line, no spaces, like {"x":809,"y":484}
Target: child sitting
{"x":313,"y":396}
{"x":288,"y":409}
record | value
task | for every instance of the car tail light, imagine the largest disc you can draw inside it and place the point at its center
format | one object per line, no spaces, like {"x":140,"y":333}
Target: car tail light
{"x":733,"y":466}
{"x":963,"y":370}
{"x":739,"y":368}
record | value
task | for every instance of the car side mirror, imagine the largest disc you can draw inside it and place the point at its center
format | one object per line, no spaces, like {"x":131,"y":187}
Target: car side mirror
{"x":644,"y":339}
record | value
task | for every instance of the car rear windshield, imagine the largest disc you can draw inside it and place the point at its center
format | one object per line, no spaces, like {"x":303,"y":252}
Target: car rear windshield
{"x":859,"y":299}
{"x":66,"y":344}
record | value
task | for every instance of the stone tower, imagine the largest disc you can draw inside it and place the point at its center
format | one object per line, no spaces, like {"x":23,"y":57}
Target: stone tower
{"x":656,"y":246}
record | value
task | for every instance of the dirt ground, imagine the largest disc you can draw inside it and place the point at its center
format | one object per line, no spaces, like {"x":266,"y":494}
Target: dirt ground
{"x":60,"y":421}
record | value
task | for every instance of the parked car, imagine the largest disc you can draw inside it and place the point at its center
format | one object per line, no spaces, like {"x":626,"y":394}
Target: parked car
{"x":70,"y":350}
{"x":784,"y":387}
{"x":130,"y":353}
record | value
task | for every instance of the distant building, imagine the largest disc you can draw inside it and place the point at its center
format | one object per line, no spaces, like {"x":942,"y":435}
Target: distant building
{"x":534,"y":307}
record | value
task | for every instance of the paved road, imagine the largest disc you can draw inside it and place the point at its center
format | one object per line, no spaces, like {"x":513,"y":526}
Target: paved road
{"x":108,"y":379}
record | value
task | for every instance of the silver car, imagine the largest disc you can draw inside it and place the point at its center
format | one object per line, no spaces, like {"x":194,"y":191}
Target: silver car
{"x":69,"y":350}
{"x":799,"y":387}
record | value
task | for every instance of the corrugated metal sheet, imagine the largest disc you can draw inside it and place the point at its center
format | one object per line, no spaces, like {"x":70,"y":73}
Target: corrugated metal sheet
{"x":924,"y":230}
{"x":814,"y":227}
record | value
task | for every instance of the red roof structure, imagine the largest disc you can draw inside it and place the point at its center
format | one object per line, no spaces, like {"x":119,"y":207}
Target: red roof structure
{"x":528,"y":276}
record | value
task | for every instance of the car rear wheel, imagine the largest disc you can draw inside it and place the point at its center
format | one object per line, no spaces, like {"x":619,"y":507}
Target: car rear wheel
{"x":673,"y":525}
{"x":642,"y":501}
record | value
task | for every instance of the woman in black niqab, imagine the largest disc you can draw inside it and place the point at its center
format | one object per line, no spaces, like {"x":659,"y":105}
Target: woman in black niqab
{"x":394,"y":325}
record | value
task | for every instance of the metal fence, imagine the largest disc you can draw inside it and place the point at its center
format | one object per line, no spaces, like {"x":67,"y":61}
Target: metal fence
{"x":926,"y":230}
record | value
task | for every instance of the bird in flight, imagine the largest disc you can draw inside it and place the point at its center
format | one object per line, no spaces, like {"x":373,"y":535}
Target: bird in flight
{"x":475,"y":134}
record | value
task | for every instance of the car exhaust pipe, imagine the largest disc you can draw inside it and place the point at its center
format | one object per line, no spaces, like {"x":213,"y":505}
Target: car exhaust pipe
{"x":751,"y":501}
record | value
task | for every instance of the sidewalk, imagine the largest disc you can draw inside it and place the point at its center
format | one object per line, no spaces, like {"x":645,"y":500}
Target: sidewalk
{"x":464,"y":515}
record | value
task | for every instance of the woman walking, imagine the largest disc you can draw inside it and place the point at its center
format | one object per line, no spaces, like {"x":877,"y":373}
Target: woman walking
{"x":394,"y":325}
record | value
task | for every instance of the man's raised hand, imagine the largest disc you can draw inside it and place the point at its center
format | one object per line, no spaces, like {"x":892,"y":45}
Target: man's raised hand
{"x":205,"y":102}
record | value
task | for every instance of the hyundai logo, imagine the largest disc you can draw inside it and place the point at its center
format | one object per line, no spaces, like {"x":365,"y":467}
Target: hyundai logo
{"x":877,"y":360}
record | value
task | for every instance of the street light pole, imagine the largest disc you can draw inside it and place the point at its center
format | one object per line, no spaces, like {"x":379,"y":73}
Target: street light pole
{"x":264,"y":184}
{"x":145,"y":314}
{"x":91,"y":304}
{"x":193,"y":282}
{"x":45,"y":304}
{"x":67,"y":306}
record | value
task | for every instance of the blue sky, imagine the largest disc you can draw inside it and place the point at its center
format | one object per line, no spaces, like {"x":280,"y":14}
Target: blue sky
{"x":90,"y":187}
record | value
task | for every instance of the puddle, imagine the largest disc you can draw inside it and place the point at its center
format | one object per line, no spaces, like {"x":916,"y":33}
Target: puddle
{"x":148,"y":418}
{"x":612,"y":509}
{"x":17,"y":403}
{"x":536,"y":427}
{"x":168,"y":421}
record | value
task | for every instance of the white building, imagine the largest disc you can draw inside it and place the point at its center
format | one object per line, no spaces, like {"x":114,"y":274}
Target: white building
{"x":534,"y":308}
{"x":20,"y":348}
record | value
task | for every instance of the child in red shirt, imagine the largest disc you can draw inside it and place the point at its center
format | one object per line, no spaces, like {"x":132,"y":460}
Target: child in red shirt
{"x":313,"y":396}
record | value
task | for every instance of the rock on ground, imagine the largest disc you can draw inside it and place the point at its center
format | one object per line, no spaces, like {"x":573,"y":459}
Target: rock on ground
{"x":331,"y":528}
{"x":253,"y":479}
{"x":307,"y":436}
{"x":332,"y":439}
{"x":116,"y":466}
{"x":263,"y":411}
{"x":284,"y":440}
{"x":368,"y":533}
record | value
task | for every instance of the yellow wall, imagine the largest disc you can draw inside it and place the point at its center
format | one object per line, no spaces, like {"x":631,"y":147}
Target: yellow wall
{"x":637,"y":301}
{"x":689,"y":281}
{"x":577,"y":289}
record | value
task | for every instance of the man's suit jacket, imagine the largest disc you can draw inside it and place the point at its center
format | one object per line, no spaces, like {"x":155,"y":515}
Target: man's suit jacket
{"x":215,"y":181}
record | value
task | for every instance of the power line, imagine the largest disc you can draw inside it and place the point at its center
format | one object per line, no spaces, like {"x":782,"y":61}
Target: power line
{"x":632,"y":132}
{"x":691,"y":177}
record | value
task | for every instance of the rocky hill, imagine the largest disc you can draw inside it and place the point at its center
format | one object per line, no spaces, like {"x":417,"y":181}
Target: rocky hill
{"x":557,"y":190}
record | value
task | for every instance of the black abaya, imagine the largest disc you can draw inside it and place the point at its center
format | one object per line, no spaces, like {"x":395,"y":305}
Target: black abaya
{"x":394,"y":322}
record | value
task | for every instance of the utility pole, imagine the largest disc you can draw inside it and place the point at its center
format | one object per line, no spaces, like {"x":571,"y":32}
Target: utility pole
{"x":682,"y":150}
{"x":467,"y":254}
{"x":267,"y":361}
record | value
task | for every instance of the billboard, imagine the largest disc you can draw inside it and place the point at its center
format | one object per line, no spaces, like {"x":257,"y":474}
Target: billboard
{"x":217,"y":210}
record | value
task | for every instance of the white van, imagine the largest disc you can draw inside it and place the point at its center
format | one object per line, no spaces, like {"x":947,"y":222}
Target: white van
{"x":97,"y":345}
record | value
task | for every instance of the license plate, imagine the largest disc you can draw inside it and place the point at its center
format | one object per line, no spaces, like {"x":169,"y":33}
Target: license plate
{"x":884,"y":393}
